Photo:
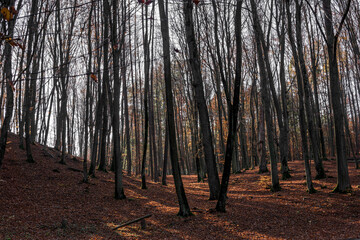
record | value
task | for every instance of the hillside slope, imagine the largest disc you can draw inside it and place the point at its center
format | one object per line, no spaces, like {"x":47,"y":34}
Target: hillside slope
{"x":47,"y":200}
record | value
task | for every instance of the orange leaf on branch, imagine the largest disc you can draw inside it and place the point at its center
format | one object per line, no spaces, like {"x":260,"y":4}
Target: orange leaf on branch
{"x":6,"y":14}
{"x":14,"y":43}
{"x":93,"y":76}
{"x":11,"y":42}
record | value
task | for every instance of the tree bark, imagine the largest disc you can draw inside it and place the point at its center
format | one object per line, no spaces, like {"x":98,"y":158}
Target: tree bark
{"x":146,"y":97}
{"x":309,"y":103}
{"x":119,"y":190}
{"x":233,"y":113}
{"x":184,"y":209}
{"x":126,"y":109}
{"x":343,"y":181}
{"x":265,"y":93}
{"x":207,"y":139}
{"x":85,"y":173}
{"x":105,"y":93}
{"x":29,"y":86}
{"x":9,"y":90}
{"x":166,"y":153}
{"x":302,"y":118}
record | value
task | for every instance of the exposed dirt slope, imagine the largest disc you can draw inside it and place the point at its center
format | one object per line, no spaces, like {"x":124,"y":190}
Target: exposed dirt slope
{"x":46,"y":200}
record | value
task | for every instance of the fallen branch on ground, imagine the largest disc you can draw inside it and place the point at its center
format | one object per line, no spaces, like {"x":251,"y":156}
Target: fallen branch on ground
{"x":134,"y":221}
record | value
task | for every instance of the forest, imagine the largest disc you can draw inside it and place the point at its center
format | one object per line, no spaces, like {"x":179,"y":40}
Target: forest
{"x":195,"y":118}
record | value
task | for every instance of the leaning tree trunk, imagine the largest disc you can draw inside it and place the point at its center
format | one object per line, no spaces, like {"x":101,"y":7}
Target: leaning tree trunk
{"x":207,"y":139}
{"x":184,"y":209}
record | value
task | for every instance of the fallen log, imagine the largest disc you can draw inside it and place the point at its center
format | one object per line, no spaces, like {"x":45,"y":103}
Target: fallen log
{"x":134,"y":221}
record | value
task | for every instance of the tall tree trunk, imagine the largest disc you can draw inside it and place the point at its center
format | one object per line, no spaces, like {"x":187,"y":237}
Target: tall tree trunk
{"x":146,"y":97}
{"x":29,"y":86}
{"x":9,"y":88}
{"x":314,"y":69}
{"x":200,"y":169}
{"x":166,"y":153}
{"x":261,"y":145}
{"x":242,"y":134}
{"x":119,"y":190}
{"x":153,"y":149}
{"x":265,"y":96}
{"x":309,"y":103}
{"x":85,"y":173}
{"x":219,"y":73}
{"x":343,"y":181}
{"x":159,"y":125}
{"x":302,"y":118}
{"x":96,"y":136}
{"x":21,"y":109}
{"x":126,"y":109}
{"x":184,"y":209}
{"x":254,"y":156}
{"x":65,"y":49}
{"x":134,"y":98}
{"x":233,"y":113}
{"x":105,"y":94}
{"x":146,"y":41}
{"x":284,"y":129}
{"x":213,"y":177}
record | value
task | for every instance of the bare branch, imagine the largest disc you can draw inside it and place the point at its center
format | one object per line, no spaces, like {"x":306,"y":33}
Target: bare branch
{"x":317,"y":20}
{"x":343,"y":20}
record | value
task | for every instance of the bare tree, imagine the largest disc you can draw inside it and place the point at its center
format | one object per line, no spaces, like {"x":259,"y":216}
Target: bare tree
{"x":183,"y":204}
{"x":265,"y":93}
{"x":9,"y":85}
{"x":343,"y":181}
{"x":194,"y":60}
{"x":233,"y":113}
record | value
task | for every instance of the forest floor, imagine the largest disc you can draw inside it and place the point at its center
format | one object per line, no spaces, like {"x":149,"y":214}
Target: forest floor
{"x":47,"y":200}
